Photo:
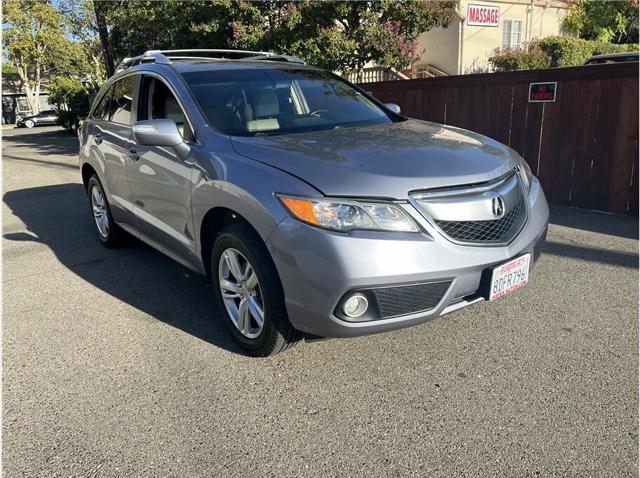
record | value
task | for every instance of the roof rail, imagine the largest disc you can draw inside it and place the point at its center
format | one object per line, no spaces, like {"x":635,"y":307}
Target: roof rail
{"x":150,"y":56}
{"x":214,"y":53}
{"x":165,"y":56}
{"x":274,"y":57}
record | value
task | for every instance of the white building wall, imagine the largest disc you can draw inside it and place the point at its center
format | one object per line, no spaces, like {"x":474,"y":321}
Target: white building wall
{"x":443,"y":48}
{"x":439,"y":48}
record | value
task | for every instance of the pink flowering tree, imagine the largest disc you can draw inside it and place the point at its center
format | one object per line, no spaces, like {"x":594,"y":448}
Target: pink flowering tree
{"x":344,"y":35}
{"x":337,"y":35}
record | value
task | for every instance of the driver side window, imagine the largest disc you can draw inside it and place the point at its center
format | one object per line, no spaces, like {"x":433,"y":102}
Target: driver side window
{"x":158,"y":102}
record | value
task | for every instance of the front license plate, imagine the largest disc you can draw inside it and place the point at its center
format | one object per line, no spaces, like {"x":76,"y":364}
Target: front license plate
{"x":509,"y":277}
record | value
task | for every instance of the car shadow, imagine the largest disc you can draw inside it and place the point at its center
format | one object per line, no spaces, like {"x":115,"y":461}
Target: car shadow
{"x":43,"y":141}
{"x":592,"y":254}
{"x":594,"y":221}
{"x":135,"y":274}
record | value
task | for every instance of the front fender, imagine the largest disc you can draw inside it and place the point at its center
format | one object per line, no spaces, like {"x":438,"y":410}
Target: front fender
{"x":244,"y":186}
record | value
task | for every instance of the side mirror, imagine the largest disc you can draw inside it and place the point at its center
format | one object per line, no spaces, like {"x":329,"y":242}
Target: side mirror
{"x":161,"y":132}
{"x":157,"y":132}
{"x":393,"y":107}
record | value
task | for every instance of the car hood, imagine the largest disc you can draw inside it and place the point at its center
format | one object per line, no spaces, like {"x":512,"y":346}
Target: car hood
{"x":384,"y":160}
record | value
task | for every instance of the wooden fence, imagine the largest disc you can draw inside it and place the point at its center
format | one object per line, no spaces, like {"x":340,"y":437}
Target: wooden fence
{"x":583,"y":147}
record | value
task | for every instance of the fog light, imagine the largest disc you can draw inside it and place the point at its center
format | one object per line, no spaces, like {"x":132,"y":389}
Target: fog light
{"x":355,"y":306}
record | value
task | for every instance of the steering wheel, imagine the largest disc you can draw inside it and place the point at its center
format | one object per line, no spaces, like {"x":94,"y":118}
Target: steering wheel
{"x":317,"y":112}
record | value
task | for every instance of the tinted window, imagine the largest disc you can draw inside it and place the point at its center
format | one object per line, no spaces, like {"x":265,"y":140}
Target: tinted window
{"x":280,"y":101}
{"x":101,"y":111}
{"x":158,"y":102}
{"x":120,"y":109}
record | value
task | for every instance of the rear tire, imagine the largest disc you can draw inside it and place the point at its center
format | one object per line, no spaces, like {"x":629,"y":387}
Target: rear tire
{"x":239,"y":248}
{"x":108,"y":232}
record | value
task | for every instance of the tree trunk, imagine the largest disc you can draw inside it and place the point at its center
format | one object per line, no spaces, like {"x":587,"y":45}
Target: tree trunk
{"x":32,"y":99}
{"x":101,"y":23}
{"x":97,"y":75}
{"x":33,"y":95}
{"x":36,"y":87}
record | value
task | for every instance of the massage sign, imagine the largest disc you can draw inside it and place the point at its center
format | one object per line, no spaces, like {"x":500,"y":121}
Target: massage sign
{"x":483,"y":16}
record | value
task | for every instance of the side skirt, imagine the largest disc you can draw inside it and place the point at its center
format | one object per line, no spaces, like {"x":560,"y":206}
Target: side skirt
{"x":147,"y":240}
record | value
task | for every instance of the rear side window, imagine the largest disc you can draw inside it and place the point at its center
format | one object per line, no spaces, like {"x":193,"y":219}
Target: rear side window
{"x":120,"y":108}
{"x":101,"y":111}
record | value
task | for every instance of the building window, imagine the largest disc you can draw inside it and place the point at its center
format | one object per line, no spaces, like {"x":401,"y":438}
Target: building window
{"x":511,"y":33}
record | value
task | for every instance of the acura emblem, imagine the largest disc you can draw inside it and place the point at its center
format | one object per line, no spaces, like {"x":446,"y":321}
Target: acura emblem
{"x":497,"y":207}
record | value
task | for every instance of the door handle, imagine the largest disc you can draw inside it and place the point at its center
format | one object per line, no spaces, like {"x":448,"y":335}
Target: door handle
{"x":98,"y":138}
{"x":132,"y":154}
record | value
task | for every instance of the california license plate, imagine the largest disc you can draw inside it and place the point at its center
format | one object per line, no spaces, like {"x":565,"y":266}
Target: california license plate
{"x":509,"y":277}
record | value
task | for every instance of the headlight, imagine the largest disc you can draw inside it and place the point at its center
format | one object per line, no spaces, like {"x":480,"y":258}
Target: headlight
{"x":525,"y":174}
{"x":344,"y":215}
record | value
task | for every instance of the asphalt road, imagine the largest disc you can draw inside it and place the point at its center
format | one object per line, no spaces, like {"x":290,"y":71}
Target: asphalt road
{"x":114,"y":364}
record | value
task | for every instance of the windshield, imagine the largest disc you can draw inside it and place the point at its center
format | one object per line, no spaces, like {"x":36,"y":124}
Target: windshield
{"x":260,"y":101}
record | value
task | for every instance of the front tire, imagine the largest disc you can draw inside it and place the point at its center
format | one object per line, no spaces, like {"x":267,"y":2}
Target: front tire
{"x":29,"y":124}
{"x":109,"y":233}
{"x":248,"y":292}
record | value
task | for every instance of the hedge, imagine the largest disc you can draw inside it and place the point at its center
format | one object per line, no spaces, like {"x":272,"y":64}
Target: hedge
{"x":553,"y":52}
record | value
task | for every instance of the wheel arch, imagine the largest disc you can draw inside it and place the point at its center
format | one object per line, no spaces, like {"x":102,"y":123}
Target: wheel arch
{"x":213,"y":222}
{"x":87,"y":171}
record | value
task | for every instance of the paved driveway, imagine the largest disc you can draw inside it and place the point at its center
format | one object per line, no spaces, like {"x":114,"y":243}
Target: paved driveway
{"x":114,"y":364}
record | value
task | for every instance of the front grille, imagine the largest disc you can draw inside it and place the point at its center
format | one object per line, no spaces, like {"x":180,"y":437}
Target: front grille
{"x":409,"y":299}
{"x":497,"y":230}
{"x":465,"y":214}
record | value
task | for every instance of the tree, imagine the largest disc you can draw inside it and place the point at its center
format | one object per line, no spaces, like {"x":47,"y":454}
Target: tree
{"x":33,"y":38}
{"x":343,"y":35}
{"x":82,"y":21}
{"x":137,"y":26}
{"x":8,"y":68}
{"x":336,"y":35}
{"x":606,"y":21}
{"x":103,"y":34}
{"x":70,"y":99}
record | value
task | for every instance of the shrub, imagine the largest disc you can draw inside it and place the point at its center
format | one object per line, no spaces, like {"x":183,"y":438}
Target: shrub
{"x":527,"y":57}
{"x":602,"y":48}
{"x":8,"y":68}
{"x":553,"y":52}
{"x":566,"y":51}
{"x":70,"y":99}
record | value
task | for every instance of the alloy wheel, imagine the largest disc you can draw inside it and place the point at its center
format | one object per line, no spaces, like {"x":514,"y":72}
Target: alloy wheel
{"x":100,"y":214}
{"x":241,"y":293}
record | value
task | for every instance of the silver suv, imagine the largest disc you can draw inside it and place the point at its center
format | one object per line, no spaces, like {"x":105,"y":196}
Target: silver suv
{"x":316,"y":210}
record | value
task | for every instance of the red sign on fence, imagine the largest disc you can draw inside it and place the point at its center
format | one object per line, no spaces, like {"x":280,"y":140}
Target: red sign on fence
{"x":483,"y":15}
{"x":542,"y":92}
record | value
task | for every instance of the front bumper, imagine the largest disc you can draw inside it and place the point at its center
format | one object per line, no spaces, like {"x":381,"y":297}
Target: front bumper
{"x":318,"y":267}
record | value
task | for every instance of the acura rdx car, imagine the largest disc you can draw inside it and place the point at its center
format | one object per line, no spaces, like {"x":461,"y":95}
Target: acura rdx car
{"x":315,"y":209}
